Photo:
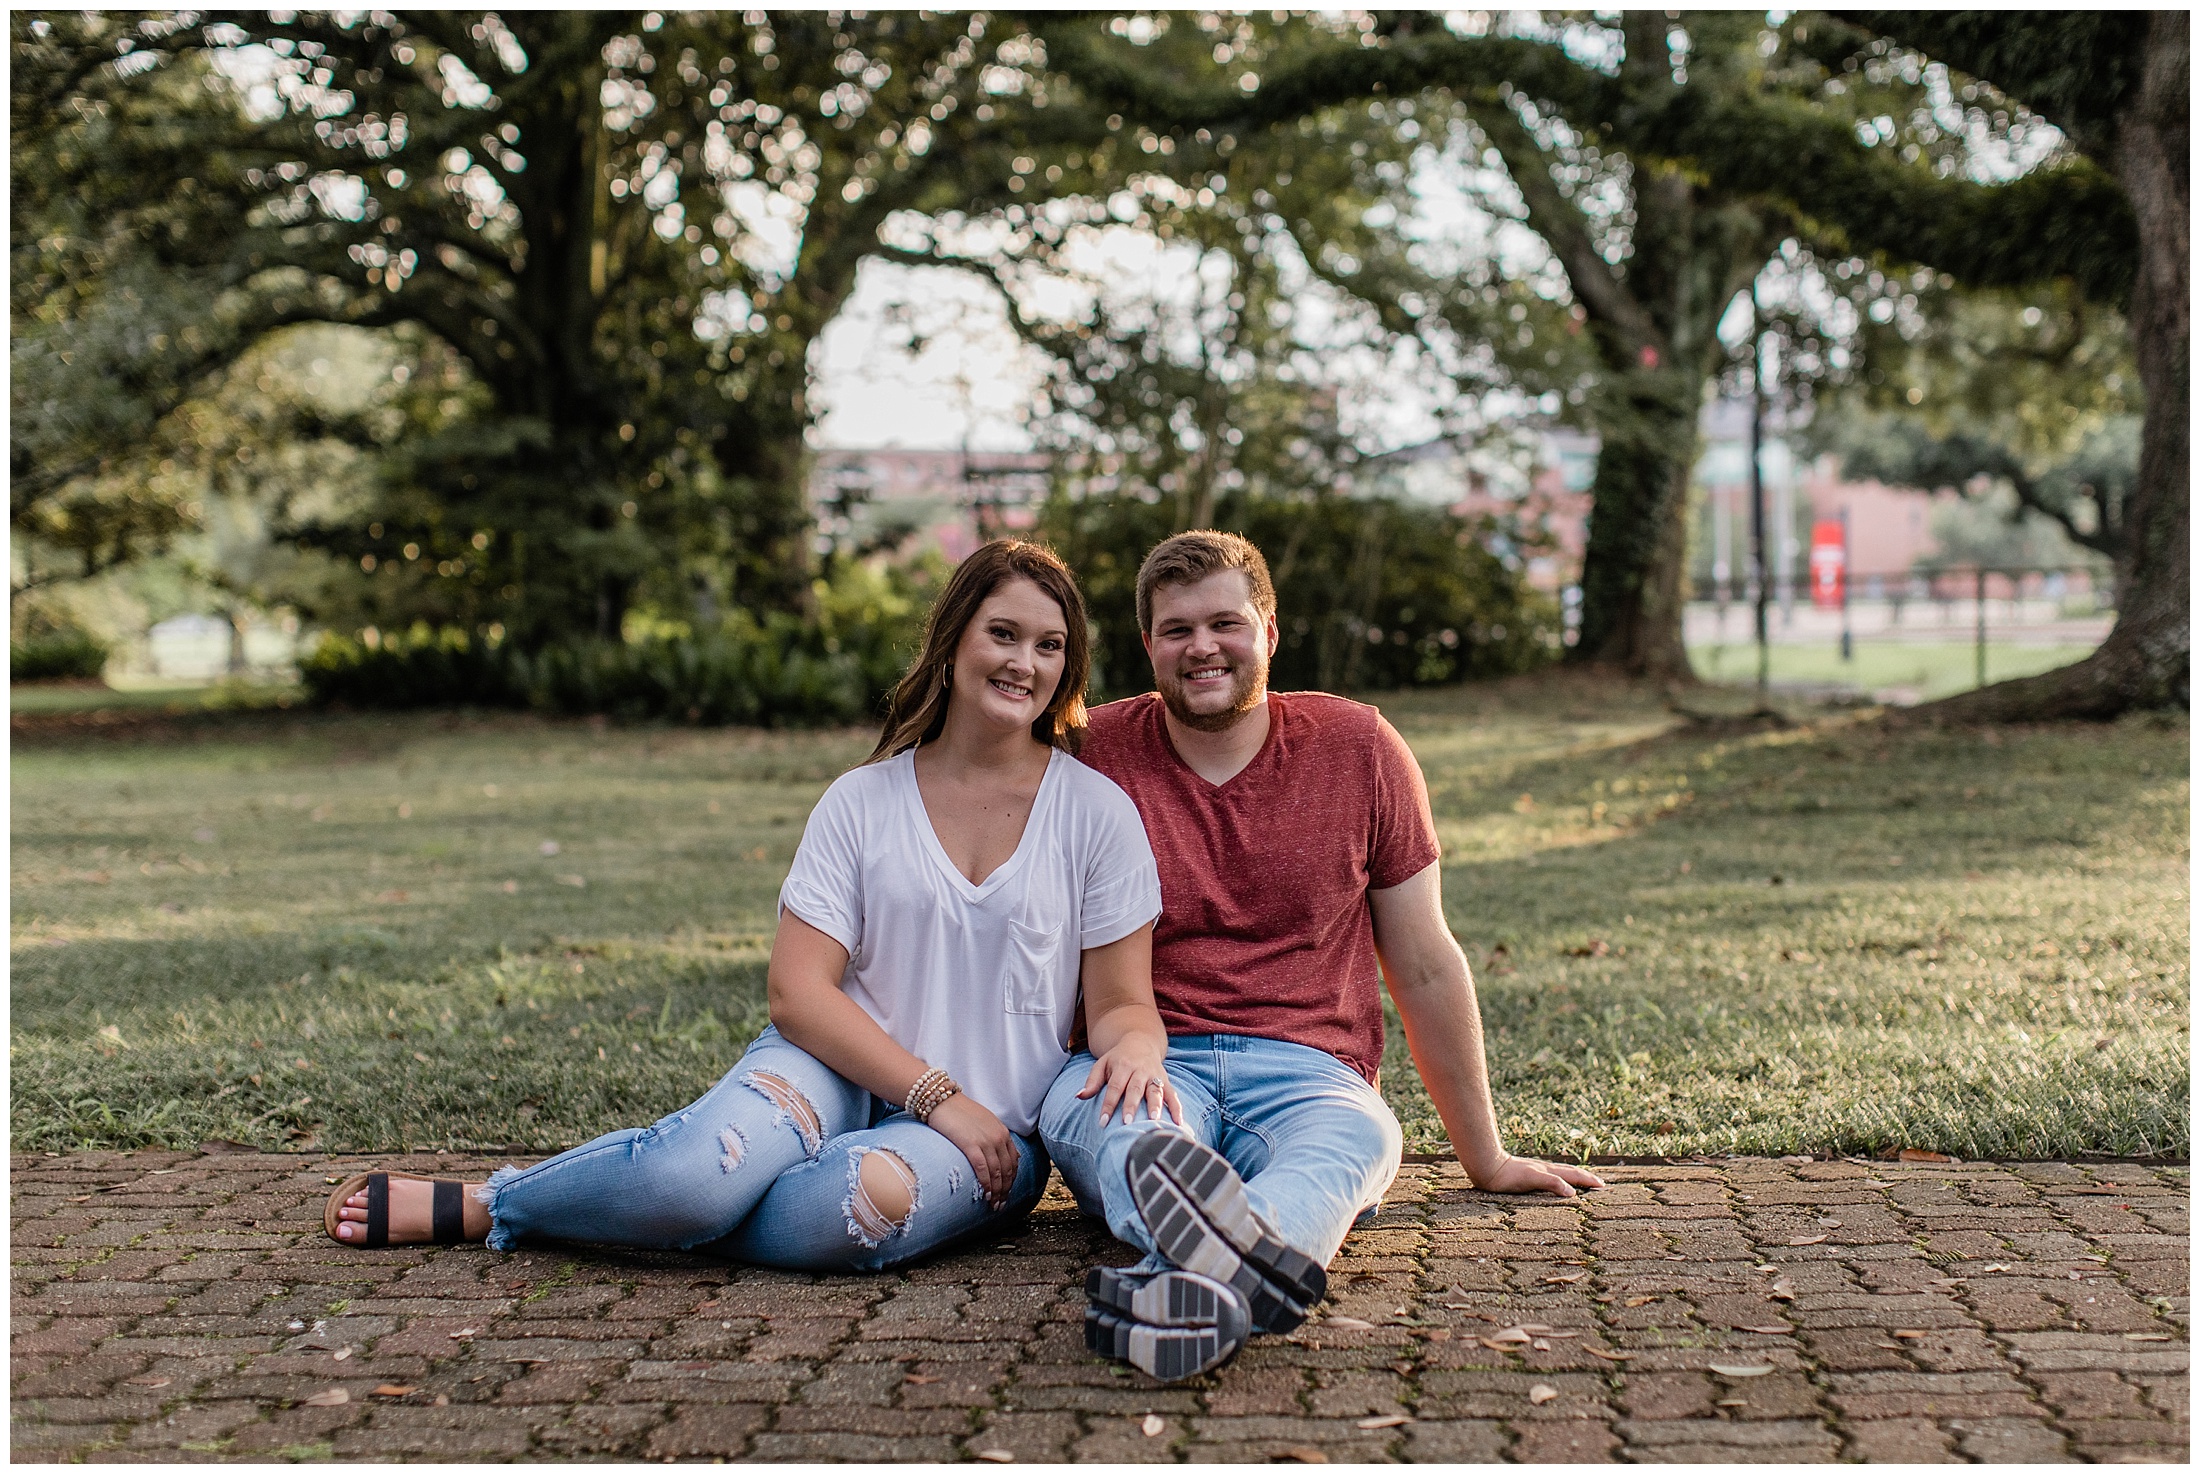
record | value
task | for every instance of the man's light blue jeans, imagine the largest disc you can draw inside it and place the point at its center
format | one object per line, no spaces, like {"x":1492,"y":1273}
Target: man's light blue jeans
{"x":1313,"y":1140}
{"x":765,"y":1169}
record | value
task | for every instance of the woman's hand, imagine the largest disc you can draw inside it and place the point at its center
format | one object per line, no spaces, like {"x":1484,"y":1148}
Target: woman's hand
{"x":984,"y":1140}
{"x":1132,"y":1072}
{"x":1128,"y":1043}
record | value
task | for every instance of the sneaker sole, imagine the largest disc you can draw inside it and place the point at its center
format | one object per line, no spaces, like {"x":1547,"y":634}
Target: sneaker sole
{"x":1173,"y":1298}
{"x":1165,"y":1353}
{"x":1194,"y":1204}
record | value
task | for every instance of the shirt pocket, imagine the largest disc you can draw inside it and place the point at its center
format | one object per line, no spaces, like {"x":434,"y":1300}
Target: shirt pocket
{"x":1028,"y":979}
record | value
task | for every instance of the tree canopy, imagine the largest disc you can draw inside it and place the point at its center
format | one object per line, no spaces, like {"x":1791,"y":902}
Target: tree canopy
{"x":1732,"y":136}
{"x":627,"y":231}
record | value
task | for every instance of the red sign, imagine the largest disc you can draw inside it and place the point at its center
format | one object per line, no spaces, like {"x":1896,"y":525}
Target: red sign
{"x":1829,"y":562}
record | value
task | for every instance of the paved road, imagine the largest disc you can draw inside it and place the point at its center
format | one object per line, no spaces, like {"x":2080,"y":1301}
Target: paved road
{"x":177,"y":1305}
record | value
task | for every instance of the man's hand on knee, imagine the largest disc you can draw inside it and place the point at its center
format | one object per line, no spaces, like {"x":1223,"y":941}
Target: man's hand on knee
{"x":1527,"y":1175}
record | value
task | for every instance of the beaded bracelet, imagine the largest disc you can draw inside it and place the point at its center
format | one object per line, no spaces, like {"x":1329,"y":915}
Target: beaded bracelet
{"x":932,"y":1090}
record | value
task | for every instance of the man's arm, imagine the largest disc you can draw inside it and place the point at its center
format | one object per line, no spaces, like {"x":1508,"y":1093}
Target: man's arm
{"x":1434,"y":990}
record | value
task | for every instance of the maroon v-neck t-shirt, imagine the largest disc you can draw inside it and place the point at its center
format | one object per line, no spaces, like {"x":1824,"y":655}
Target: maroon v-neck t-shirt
{"x":1265,"y":927}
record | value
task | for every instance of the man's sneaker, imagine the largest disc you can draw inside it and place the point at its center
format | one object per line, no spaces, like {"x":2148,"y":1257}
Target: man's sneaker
{"x":1194,"y":1204}
{"x":1170,"y":1325}
{"x":1169,"y":1297}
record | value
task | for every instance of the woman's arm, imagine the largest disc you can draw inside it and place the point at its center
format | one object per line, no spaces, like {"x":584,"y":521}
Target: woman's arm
{"x":825,"y":1023}
{"x":1124,"y":1029}
{"x":819,"y":1019}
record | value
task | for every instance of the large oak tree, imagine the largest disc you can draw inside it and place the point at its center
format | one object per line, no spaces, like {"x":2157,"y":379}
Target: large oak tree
{"x":629,"y":228}
{"x":2114,"y":219}
{"x":1712,"y":126}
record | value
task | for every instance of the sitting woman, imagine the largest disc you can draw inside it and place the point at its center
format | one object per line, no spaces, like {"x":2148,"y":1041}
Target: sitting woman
{"x":949,"y":899}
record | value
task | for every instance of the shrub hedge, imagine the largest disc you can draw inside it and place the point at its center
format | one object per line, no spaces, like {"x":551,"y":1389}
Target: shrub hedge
{"x":1373,"y":594}
{"x":57,"y":655}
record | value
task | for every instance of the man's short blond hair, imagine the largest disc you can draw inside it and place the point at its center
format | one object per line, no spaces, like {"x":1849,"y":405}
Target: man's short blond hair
{"x":1191,"y":556}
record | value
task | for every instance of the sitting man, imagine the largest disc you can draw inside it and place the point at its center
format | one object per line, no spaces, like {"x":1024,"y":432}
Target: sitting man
{"x":1298,"y":863}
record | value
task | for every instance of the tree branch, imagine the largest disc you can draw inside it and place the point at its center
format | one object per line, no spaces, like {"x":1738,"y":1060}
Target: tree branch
{"x":2069,"y":221}
{"x":1561,"y":224}
{"x":1325,"y":77}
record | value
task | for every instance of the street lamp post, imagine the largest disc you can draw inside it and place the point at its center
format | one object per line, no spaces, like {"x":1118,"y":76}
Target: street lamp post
{"x":1848,"y":650}
{"x":1759,"y":565}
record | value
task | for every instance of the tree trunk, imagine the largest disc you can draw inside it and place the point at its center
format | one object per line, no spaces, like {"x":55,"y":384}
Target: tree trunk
{"x":2146,"y":659}
{"x":1632,"y":593}
{"x":763,"y":451}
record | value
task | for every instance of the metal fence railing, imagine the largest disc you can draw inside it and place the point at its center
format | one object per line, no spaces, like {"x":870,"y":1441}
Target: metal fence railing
{"x":1985,"y":607}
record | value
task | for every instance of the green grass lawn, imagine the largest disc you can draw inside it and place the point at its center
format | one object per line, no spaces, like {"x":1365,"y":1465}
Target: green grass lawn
{"x":48,"y":698}
{"x":1931,"y":670}
{"x":354,"y":932}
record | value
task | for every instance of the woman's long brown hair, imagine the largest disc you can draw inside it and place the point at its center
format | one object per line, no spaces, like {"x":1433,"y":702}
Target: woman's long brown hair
{"x":916,"y":712}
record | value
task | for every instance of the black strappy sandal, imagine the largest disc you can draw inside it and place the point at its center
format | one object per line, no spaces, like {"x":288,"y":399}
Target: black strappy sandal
{"x":447,"y":1226}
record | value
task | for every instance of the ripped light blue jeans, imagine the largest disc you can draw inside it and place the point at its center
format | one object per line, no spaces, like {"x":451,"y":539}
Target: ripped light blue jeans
{"x":768,"y":1168}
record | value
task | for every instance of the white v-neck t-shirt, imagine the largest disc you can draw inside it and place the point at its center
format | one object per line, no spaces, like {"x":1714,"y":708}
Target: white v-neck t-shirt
{"x":978,"y":980}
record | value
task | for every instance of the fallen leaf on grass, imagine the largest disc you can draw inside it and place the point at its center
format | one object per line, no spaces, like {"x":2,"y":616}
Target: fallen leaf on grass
{"x":1725,"y":1370}
{"x":1919,"y":1154}
{"x":1800,"y":1240}
{"x":1541,"y":1393}
{"x":394,"y":1389}
{"x":1597,"y":947}
{"x":334,"y":1397}
{"x":1388,"y":1420}
{"x":1154,"y":1426}
{"x":1600,"y":1352}
{"x":581,"y":881}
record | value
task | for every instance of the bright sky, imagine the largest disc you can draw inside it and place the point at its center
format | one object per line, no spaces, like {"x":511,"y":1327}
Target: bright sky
{"x":973,"y":379}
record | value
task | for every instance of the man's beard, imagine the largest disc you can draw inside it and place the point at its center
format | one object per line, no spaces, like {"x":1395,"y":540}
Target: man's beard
{"x":1248,"y":686}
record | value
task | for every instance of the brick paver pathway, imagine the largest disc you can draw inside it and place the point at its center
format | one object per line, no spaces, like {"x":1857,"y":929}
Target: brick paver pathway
{"x":171,"y":1304}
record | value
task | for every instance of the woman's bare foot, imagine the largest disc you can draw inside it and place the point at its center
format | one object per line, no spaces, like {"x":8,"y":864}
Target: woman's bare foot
{"x":412,"y":1213}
